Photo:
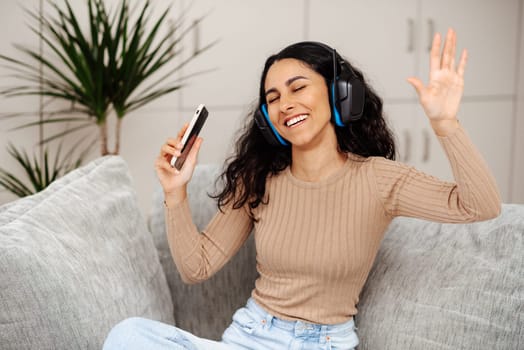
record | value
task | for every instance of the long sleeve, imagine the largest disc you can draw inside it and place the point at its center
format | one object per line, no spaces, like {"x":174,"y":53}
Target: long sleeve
{"x":199,"y":255}
{"x":473,"y":196}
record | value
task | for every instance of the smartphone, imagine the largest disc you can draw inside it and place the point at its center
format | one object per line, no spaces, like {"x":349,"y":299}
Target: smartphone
{"x":190,"y":135}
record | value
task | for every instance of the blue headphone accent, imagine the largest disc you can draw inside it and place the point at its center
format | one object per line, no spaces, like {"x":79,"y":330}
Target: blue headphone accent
{"x":275,"y":132}
{"x":336,"y":114}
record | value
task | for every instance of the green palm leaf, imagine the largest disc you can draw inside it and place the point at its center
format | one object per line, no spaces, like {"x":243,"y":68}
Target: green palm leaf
{"x":121,"y":62}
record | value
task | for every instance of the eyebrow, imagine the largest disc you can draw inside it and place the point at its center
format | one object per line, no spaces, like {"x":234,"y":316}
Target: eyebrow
{"x":288,"y":82}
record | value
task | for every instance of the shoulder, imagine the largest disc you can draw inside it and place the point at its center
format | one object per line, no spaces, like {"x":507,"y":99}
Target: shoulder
{"x":374,"y":163}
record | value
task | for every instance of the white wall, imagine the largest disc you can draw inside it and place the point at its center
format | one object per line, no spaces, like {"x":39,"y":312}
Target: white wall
{"x":12,"y":20}
{"x":145,"y":130}
{"x":518,"y":170}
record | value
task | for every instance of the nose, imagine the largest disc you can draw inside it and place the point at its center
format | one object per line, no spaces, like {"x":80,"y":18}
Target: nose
{"x":286,"y":104}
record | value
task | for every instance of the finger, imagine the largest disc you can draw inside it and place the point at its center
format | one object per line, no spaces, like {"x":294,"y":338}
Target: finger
{"x":462,"y":63}
{"x":446,"y":52}
{"x":453,"y":49}
{"x":168,"y":150}
{"x":175,"y":143}
{"x":162,"y":164}
{"x":417,"y":84}
{"x":452,"y":64}
{"x":172,"y":141}
{"x":434,"y":58}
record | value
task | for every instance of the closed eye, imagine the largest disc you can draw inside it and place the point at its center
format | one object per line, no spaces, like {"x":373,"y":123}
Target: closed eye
{"x":272,"y":99}
{"x":299,"y":88}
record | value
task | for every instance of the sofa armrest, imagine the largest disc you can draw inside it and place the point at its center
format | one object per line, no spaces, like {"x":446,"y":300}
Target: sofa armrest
{"x":76,"y":259}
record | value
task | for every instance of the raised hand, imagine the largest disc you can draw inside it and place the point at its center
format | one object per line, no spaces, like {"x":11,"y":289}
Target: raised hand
{"x":441,"y":97}
{"x":174,"y":181}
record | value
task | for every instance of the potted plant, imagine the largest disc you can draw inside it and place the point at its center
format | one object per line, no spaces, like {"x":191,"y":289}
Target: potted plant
{"x":112,"y":68}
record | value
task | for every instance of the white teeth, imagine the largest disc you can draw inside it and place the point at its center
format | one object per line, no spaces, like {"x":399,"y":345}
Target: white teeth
{"x":295,"y":120}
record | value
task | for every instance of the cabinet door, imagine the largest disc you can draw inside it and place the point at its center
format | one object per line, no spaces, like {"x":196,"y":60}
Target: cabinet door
{"x":400,"y":118}
{"x":489,"y":125}
{"x":378,"y":36}
{"x":248,"y":32}
{"x":488,"y":29}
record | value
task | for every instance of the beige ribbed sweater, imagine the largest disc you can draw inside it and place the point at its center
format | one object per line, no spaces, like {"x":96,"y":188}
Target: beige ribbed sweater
{"x":316,"y":241}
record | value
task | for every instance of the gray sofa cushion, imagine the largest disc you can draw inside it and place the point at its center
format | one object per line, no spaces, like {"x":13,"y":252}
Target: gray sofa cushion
{"x":443,"y":286}
{"x":76,"y":259}
{"x":204,"y":309}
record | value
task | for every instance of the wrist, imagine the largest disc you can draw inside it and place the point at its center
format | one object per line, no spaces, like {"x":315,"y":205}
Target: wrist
{"x":444,"y":127}
{"x":175,"y":197}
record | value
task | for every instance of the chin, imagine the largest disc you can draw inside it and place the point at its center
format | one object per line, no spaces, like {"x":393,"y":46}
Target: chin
{"x":302,"y":142}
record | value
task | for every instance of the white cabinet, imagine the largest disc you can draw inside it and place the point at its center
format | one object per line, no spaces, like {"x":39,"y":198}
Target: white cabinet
{"x":247,"y":34}
{"x":489,"y":31}
{"x":390,"y":40}
{"x":377,"y":36}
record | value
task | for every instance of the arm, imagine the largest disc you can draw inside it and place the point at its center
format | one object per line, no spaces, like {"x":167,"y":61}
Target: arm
{"x":408,"y":192}
{"x":196,"y":255}
{"x":474,"y":196}
{"x":200,"y":255}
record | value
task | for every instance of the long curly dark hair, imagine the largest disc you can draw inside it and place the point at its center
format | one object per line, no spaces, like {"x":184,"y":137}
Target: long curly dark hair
{"x":246,"y":172}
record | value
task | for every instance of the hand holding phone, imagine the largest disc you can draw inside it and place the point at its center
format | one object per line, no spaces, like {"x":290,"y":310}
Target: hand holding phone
{"x":190,"y":135}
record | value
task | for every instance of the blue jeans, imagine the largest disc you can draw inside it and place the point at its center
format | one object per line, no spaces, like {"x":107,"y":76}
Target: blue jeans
{"x":252,"y":328}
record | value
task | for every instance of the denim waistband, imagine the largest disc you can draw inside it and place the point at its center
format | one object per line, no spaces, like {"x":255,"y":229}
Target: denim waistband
{"x":298,"y":327}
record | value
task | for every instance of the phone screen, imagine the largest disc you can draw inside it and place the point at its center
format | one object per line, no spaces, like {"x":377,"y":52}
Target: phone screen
{"x":191,"y":135}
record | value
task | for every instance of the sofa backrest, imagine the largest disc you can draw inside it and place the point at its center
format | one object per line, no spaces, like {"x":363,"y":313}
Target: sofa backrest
{"x":447,"y":286}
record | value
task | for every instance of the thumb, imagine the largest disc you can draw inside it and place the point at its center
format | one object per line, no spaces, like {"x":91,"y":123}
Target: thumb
{"x":417,"y":84}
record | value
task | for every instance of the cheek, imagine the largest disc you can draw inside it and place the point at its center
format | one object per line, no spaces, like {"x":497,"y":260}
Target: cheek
{"x":322,"y":105}
{"x":273,"y":112}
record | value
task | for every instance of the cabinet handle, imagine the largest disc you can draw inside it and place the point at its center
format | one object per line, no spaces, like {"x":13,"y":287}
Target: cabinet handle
{"x":427,"y":145}
{"x":196,"y":37}
{"x":411,"y":35}
{"x":407,"y":148}
{"x":431,"y":33}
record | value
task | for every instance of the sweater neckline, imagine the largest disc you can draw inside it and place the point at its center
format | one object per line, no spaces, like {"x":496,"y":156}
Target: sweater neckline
{"x":334,"y":177}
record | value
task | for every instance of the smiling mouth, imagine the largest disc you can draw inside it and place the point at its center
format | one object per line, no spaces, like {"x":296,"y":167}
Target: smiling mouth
{"x":296,"y":120}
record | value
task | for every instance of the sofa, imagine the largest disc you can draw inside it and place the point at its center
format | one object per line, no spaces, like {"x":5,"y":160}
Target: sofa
{"x":80,"y":256}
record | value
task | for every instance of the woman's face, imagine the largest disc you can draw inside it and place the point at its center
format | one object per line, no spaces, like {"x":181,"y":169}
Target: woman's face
{"x":298,"y":103}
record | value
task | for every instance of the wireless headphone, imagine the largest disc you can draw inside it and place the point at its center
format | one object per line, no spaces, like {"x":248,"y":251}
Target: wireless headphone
{"x":346,"y":92}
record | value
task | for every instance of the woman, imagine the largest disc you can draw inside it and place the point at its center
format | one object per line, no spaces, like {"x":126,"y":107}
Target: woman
{"x":315,"y":176}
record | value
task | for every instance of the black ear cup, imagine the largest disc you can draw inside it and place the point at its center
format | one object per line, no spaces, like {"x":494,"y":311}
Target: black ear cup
{"x":348,"y":99}
{"x":266,"y":127}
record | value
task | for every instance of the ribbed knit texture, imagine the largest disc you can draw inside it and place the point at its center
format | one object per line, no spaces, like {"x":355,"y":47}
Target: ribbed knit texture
{"x":316,"y":241}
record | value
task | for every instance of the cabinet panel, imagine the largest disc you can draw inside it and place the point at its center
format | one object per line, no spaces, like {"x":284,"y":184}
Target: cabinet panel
{"x":488,"y":29}
{"x":248,"y":32}
{"x":378,"y":36}
{"x":400,"y":117}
